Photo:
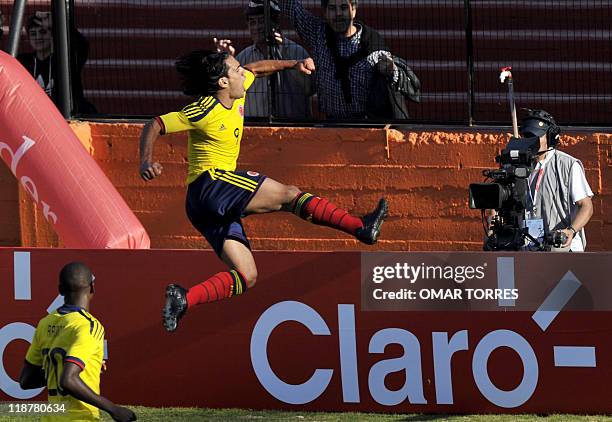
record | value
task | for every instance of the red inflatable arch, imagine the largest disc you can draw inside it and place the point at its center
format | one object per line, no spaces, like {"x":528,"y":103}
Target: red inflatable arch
{"x":51,"y":164}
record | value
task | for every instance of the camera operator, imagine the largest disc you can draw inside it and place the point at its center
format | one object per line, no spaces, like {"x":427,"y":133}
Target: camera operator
{"x":559,"y":196}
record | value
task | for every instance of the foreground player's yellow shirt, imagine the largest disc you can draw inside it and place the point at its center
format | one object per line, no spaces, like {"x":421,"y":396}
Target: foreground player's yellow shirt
{"x":69,"y":334}
{"x":214,"y":132}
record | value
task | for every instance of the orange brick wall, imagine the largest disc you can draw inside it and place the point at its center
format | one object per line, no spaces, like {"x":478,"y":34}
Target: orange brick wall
{"x":424,"y":175}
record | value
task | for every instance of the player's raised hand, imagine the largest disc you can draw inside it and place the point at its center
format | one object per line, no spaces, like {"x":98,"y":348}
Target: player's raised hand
{"x":224,"y":45}
{"x":149,"y":171}
{"x":122,"y":414}
{"x":278,"y":37}
{"x":306,"y":66}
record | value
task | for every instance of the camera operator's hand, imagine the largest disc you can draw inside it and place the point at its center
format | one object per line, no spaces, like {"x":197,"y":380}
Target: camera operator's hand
{"x":224,"y":45}
{"x":305,"y":66}
{"x":570,"y":235}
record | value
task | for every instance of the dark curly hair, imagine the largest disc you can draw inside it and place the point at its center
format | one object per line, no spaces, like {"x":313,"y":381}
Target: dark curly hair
{"x":200,"y":71}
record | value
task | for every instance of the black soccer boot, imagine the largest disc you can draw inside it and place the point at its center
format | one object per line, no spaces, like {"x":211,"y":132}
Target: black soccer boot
{"x":368,"y":234}
{"x":175,"y":306}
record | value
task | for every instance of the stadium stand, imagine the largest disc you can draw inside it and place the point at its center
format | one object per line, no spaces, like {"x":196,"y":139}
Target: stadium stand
{"x":561,"y":52}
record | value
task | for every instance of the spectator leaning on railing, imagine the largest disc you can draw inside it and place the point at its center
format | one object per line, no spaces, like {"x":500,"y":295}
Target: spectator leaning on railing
{"x":294,"y":89}
{"x":350,"y":58}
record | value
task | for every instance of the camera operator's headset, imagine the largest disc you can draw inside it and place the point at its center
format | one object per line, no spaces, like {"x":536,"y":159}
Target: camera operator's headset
{"x":543,"y":118}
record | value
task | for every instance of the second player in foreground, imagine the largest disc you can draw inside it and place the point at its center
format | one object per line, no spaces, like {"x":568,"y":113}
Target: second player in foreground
{"x":218,"y":196}
{"x":67,"y":355}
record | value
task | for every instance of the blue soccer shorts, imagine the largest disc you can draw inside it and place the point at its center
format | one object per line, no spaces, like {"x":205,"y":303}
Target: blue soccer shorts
{"x":216,"y":201}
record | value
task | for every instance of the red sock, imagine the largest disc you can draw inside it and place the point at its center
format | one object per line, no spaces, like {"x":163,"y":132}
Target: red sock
{"x":219,"y":286}
{"x":323,"y":212}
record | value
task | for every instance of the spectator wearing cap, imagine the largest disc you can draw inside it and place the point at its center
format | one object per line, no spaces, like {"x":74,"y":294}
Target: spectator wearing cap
{"x":293,"y":89}
{"x":41,"y":65}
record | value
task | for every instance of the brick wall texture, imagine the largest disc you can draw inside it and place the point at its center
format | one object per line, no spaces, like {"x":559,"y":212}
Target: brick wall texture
{"x":424,"y":174}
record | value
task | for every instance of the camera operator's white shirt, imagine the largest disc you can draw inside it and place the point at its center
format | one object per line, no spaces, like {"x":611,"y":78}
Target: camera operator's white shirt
{"x":579,"y":189}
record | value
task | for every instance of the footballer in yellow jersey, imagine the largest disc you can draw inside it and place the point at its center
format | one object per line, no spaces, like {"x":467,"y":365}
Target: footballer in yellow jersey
{"x":218,"y":197}
{"x":66,"y":354}
{"x":69,"y":334}
{"x":214,"y":131}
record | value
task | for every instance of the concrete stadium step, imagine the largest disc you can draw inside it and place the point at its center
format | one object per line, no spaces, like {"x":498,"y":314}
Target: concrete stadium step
{"x":145,"y":45}
{"x":130,"y":75}
{"x":413,"y":45}
{"x":550,"y":14}
{"x":404,"y":14}
{"x":435,"y":75}
{"x":135,"y":102}
{"x":451,"y":104}
{"x":160,"y":74}
{"x":159,"y":16}
{"x":148,"y":44}
{"x":563,"y":78}
{"x":568,"y":110}
{"x":150,"y":103}
{"x":407,"y":15}
{"x":584,"y":46}
{"x":168,"y":14}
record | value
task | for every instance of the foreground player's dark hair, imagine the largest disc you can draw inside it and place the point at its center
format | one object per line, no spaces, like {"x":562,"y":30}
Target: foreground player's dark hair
{"x":200,"y":71}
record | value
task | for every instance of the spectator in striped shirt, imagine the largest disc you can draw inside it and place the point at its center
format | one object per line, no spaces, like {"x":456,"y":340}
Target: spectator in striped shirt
{"x":348,"y":54}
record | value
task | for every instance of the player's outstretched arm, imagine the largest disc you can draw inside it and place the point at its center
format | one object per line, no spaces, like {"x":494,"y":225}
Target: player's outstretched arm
{"x":71,"y":383}
{"x":267,"y":67}
{"x":149,"y":170}
{"x":31,"y":376}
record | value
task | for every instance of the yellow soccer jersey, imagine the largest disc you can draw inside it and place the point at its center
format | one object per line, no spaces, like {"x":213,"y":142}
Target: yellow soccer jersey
{"x":214,"y":132}
{"x":69,"y":334}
